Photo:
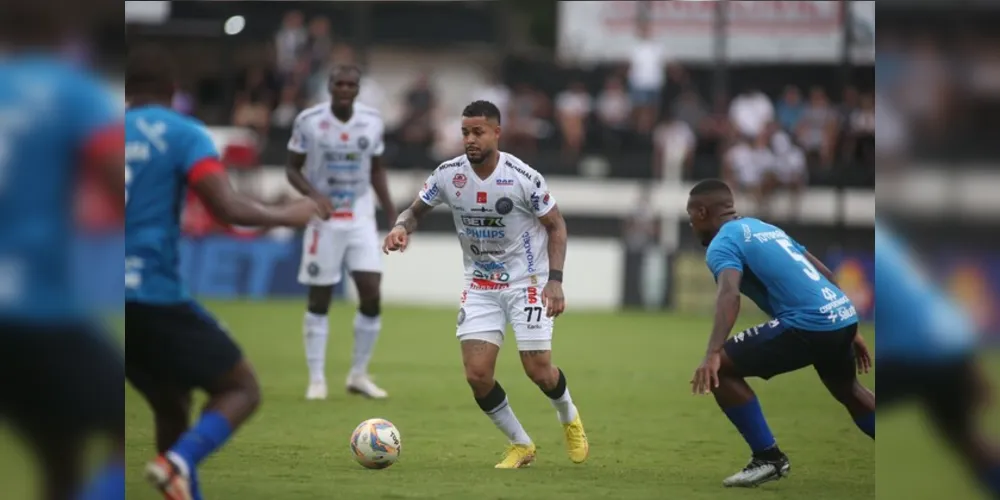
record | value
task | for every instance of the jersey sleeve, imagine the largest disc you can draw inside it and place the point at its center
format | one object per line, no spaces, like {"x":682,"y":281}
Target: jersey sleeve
{"x":98,"y":121}
{"x":200,"y":158}
{"x":723,"y":254}
{"x":540,"y":201}
{"x":431,"y":192}
{"x":298,"y":142}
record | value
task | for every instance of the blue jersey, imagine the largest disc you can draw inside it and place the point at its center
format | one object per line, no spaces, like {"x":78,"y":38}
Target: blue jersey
{"x":51,"y":114}
{"x":915,"y":320}
{"x":778,"y":277}
{"x":163,"y":152}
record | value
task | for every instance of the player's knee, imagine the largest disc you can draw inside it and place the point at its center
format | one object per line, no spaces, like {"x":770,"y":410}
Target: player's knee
{"x":371,"y":306}
{"x":319,"y":300}
{"x":479,"y":378}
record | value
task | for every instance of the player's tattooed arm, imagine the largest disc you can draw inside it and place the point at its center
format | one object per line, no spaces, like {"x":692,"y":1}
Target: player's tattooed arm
{"x":555,"y":225}
{"x":727,"y":309}
{"x":380,"y":183}
{"x":410,"y":217}
{"x":821,"y":267}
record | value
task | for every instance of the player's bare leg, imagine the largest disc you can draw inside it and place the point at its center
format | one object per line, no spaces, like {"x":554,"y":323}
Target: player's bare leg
{"x":551,"y":380}
{"x":316,"y":331}
{"x":738,"y":401}
{"x":479,"y":358}
{"x":233,"y":398}
{"x":367,"y":325}
{"x":859,"y":401}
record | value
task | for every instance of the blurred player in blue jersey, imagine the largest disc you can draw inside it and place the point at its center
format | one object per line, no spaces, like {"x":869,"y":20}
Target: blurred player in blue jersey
{"x":59,"y":370}
{"x":175,"y":346}
{"x":813,"y":324}
{"x":925,"y":350}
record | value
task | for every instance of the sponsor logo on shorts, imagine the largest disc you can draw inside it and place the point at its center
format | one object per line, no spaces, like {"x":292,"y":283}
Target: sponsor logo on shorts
{"x":461,"y":314}
{"x":504,"y":206}
{"x":459,"y":180}
{"x":481,"y":284}
{"x":473,"y":221}
{"x":529,"y":254}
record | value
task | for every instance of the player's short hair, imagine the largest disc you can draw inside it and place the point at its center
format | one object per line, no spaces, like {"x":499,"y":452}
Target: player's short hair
{"x":149,"y":70}
{"x":711,"y":186}
{"x":485,"y":109}
{"x":344,"y":68}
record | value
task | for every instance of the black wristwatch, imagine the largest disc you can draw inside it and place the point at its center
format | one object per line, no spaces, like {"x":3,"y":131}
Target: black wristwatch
{"x":555,"y":275}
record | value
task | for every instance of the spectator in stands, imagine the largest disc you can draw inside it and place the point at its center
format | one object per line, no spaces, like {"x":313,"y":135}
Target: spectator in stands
{"x":674,"y":144}
{"x":496,"y":92}
{"x":817,"y":130}
{"x":254,"y":100}
{"x":745,"y":167}
{"x":288,"y":108}
{"x":715,"y":131}
{"x":789,"y":170}
{"x":613,"y":111}
{"x":416,"y":131}
{"x":646,"y":78}
{"x":689,"y":108}
{"x":860,"y":132}
{"x":290,"y":42}
{"x":751,"y":112}
{"x":320,"y":42}
{"x":527,"y":110}
{"x":790,"y":109}
{"x":573,"y":106}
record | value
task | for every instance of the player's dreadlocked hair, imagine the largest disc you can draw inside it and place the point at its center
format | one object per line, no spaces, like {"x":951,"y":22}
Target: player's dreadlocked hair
{"x":485,"y":109}
{"x":149,"y":72}
{"x":710,"y":186}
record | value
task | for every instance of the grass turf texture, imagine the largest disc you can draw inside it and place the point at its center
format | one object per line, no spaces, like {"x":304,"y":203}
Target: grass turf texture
{"x":628,"y":372}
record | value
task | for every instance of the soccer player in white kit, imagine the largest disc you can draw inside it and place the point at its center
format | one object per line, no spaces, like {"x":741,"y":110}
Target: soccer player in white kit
{"x":514,"y":243}
{"x":334,"y":155}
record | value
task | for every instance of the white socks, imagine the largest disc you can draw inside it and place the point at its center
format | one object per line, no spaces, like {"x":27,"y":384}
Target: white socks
{"x":366,"y":330}
{"x":315,"y":331}
{"x":565,"y":408}
{"x":503,"y":417}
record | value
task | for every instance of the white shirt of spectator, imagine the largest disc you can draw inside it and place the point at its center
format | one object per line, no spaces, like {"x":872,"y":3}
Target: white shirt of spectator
{"x":498,"y":94}
{"x":496,"y":219}
{"x":646,"y":66}
{"x":676,"y":141}
{"x":339,"y":158}
{"x":613,"y":108}
{"x":789,"y":160}
{"x":289,"y":43}
{"x":750,"y":113}
{"x":749,"y":164}
{"x":574,"y":103}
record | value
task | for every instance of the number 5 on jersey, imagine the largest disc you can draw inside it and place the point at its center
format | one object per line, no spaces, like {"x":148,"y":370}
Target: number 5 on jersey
{"x":809,"y":269}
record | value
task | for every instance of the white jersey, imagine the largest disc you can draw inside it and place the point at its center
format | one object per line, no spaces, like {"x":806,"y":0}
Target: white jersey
{"x":339,"y":158}
{"x":503,"y":242}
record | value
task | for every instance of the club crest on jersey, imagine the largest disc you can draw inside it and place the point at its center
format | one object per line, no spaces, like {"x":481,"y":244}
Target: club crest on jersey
{"x":504,"y":206}
{"x":505,"y":182}
{"x":363,"y":143}
{"x":459,"y":180}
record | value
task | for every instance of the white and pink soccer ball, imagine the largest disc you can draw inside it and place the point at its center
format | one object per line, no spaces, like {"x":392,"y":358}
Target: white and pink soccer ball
{"x":375,"y":443}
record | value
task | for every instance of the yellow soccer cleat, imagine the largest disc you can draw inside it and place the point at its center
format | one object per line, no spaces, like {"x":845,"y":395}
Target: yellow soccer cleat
{"x":577,"y":445}
{"x":517,"y":456}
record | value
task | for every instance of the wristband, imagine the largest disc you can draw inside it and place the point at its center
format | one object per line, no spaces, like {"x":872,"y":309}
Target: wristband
{"x":555,"y":275}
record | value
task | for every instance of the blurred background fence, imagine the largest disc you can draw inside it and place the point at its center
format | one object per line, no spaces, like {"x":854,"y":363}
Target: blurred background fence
{"x":622,"y":105}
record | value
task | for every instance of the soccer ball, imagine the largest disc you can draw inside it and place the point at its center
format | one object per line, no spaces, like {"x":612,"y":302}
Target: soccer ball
{"x":375,"y":443}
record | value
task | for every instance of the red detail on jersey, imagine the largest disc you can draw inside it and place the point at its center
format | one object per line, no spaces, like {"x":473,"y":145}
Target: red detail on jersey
{"x":204,"y":168}
{"x":532,"y":295}
{"x":108,"y":142}
{"x":546,"y":198}
{"x":314,"y":246}
{"x":344,"y":137}
{"x":481,"y":197}
{"x":465,"y":295}
{"x":459,"y":180}
{"x":481,"y":284}
{"x":324,"y":125}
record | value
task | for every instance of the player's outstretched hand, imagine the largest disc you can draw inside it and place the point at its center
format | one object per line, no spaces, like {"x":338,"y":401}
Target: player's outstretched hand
{"x":396,"y":240}
{"x":299,"y":212}
{"x":706,"y":377}
{"x":553,"y":299}
{"x":862,"y":356}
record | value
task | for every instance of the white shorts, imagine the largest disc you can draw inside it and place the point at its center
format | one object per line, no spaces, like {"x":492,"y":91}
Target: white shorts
{"x":484,"y":315}
{"x":326,"y":249}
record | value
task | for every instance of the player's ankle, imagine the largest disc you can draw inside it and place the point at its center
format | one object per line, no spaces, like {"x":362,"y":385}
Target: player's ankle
{"x":770,"y":454}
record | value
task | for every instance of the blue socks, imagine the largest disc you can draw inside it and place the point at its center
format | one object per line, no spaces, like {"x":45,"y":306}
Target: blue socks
{"x":991,"y":478}
{"x":209,"y":434}
{"x":749,"y":420}
{"x":109,"y":484}
{"x":867,"y":424}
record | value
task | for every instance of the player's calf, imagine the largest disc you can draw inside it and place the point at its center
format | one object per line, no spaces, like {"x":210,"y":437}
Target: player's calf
{"x":857,"y":399}
{"x":552,"y":381}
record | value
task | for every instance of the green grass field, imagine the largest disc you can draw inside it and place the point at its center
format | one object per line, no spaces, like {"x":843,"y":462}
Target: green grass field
{"x":629,"y":375}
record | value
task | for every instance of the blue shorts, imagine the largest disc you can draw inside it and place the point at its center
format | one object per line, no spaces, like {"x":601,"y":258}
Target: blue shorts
{"x":775,"y":347}
{"x":644,"y":97}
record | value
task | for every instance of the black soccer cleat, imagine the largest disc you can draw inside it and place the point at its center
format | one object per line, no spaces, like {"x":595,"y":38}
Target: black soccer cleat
{"x":758,"y":472}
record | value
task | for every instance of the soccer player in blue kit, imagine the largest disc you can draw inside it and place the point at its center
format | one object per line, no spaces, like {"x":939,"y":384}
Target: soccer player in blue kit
{"x":174,"y":345}
{"x":925,"y":350}
{"x":59,"y":369}
{"x":813,"y":323}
